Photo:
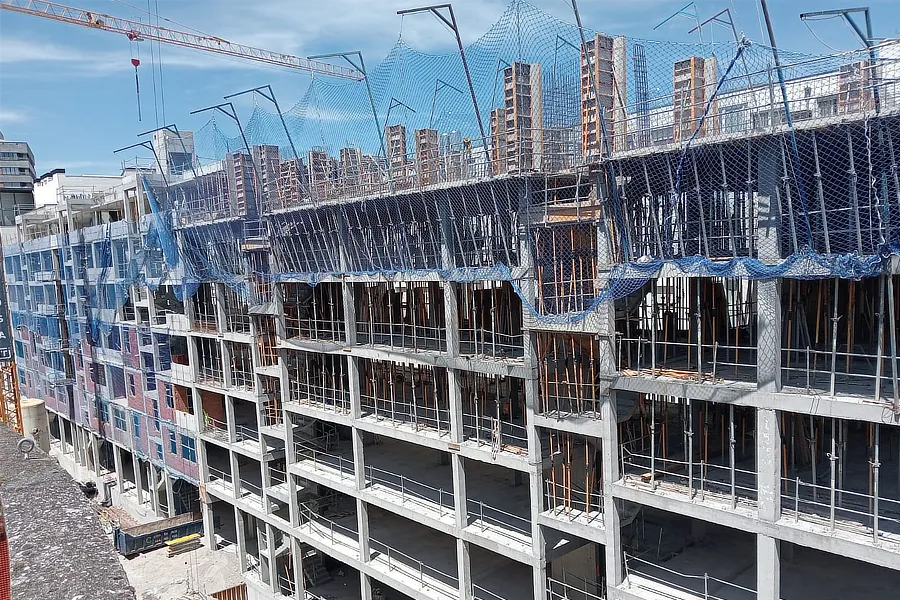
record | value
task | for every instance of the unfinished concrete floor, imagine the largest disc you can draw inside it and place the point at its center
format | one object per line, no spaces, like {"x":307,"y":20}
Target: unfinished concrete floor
{"x":155,"y":576}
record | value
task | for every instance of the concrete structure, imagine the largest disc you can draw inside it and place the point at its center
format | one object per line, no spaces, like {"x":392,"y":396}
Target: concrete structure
{"x":35,"y":423}
{"x":57,"y":547}
{"x":457,"y":409}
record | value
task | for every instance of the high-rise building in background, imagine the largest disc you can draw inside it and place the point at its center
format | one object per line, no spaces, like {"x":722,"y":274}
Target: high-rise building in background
{"x":606,"y":57}
{"x":428,"y":164}
{"x":350,"y":169}
{"x":267,"y":159}
{"x":517,"y":129}
{"x":16,"y":183}
{"x":241,"y":177}
{"x":395,"y":138}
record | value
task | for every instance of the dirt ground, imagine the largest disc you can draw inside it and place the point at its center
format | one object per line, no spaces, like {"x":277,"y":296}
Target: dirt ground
{"x":155,"y":576}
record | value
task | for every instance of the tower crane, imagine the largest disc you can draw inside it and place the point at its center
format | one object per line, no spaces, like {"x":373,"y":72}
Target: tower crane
{"x":135,"y":31}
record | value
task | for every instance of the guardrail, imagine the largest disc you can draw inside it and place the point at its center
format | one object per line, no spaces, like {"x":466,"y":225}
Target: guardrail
{"x":412,"y":567}
{"x":696,"y":585}
{"x":489,"y":343}
{"x":841,"y":509}
{"x":504,"y":521}
{"x":564,"y":500}
{"x":482,"y":429}
{"x":695,"y":477}
{"x":413,"y":491}
{"x":397,"y":411}
{"x":305,"y":453}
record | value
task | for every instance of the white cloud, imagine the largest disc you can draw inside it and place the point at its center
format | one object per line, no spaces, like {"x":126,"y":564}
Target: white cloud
{"x":13,"y":115}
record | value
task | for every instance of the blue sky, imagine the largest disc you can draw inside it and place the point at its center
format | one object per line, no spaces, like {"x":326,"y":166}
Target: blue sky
{"x":70,"y":91}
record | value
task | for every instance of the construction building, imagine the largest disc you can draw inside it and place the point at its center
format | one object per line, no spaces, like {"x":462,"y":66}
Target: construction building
{"x":662,"y":366}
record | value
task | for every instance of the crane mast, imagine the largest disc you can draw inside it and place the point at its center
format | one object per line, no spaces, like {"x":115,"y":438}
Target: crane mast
{"x":135,"y":30}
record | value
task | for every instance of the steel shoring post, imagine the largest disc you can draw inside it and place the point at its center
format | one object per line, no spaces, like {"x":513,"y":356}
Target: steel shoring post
{"x":832,"y":456}
{"x":652,"y":442}
{"x":892,"y":323}
{"x":451,"y":23}
{"x":266,"y":92}
{"x":880,"y":349}
{"x":876,"y":464}
{"x":731,"y":442}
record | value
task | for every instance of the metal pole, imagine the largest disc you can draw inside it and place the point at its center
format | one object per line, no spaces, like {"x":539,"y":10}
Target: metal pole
{"x":652,"y":443}
{"x":832,"y":457}
{"x":876,"y":464}
{"x":731,"y":461}
{"x":451,"y":23}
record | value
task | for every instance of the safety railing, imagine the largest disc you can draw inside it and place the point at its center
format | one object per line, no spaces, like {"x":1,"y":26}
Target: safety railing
{"x":242,"y":378}
{"x":205,"y":318}
{"x":329,"y":330}
{"x":215,"y":428}
{"x":507,"y":524}
{"x":221,"y":476}
{"x":401,"y":335}
{"x":314,"y":459}
{"x":660,"y":357}
{"x":830,"y":370}
{"x":328,"y":530}
{"x":560,"y":400}
{"x":277,"y":476}
{"x":701,"y":478}
{"x":245,"y":433}
{"x":248,"y":488}
{"x":703,"y":586}
{"x":490,"y":430}
{"x":573,"y":503}
{"x":427,"y":577}
{"x":484,"y":342}
{"x":839,"y":509}
{"x":412,"y":491}
{"x":400,"y":412}
{"x":585,"y":590}
{"x":479,"y":593}
{"x":320,"y":396}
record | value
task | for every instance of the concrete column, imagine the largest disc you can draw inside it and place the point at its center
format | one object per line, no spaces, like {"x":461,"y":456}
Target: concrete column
{"x":138,"y":478}
{"x":219,"y":300}
{"x":297,"y":563}
{"x":535,"y":472}
{"x":270,"y":553}
{"x":240,"y":530}
{"x":95,"y":448}
{"x":120,"y":476}
{"x":235,"y":474}
{"x":768,"y":368}
{"x":365,"y":585}
{"x":768,"y":449}
{"x":229,"y":418}
{"x":209,"y":522}
{"x":460,"y":497}
{"x":170,"y":493}
{"x":768,"y":568}
{"x":615,"y":573}
{"x":225,"y":357}
{"x":154,"y":489}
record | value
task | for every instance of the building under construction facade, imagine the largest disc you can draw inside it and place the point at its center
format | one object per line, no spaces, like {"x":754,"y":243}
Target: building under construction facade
{"x":658,"y":363}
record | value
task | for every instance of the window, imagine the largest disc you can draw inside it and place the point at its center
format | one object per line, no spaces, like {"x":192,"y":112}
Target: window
{"x":156,"y":413}
{"x":173,"y":443}
{"x":119,"y":418}
{"x":136,"y":422}
{"x":188,"y":449}
{"x":170,"y":397}
{"x":104,"y":413}
{"x":126,"y":340}
{"x":159,"y":452}
{"x":131,"y":388}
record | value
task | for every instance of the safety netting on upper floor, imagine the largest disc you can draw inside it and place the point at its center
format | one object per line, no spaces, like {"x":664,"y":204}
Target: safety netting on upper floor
{"x":591,"y":162}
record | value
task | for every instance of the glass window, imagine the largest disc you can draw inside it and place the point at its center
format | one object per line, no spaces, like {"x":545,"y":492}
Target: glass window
{"x":136,"y":422}
{"x":188,"y":449}
{"x":119,"y":417}
{"x":173,"y":443}
{"x":159,"y":451}
{"x":104,"y":413}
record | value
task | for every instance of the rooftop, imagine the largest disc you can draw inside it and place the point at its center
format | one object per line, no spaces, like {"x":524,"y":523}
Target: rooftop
{"x":58,"y":550}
